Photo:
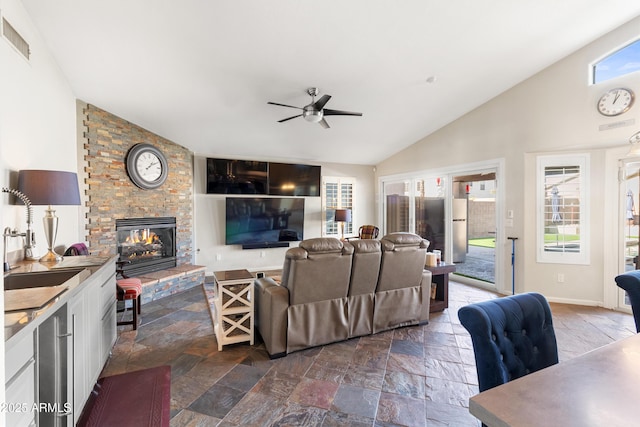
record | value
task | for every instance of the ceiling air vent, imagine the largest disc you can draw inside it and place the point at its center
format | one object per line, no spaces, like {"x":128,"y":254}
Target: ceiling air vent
{"x":15,"y":38}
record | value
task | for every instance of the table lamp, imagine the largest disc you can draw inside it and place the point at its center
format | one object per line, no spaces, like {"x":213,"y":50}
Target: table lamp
{"x":342,"y":216}
{"x":45,"y":187}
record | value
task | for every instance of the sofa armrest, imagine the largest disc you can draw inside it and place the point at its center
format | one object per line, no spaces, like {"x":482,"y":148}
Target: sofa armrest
{"x":425,"y":284}
{"x":271,"y":304}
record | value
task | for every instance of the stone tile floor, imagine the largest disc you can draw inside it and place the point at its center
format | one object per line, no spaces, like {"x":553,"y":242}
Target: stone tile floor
{"x":414,"y":376}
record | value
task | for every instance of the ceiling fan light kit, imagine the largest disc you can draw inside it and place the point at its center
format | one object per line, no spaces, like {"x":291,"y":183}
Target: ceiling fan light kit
{"x":315,"y":111}
{"x":311,"y":115}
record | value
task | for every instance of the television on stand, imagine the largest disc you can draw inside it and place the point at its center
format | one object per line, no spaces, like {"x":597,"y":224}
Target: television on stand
{"x":264,"y":222}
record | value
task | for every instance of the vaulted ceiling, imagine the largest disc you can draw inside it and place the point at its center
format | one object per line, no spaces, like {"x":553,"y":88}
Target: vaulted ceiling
{"x":200,"y":73}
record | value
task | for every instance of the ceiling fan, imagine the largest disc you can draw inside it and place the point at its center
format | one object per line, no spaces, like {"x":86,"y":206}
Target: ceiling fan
{"x":315,"y":111}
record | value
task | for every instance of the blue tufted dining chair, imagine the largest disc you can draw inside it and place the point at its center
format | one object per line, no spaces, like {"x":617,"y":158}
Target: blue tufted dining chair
{"x":512,"y":337}
{"x":630,"y":282}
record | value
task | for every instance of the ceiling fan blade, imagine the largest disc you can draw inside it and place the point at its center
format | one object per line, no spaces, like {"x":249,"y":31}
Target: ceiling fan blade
{"x":289,"y":118}
{"x":319,"y":104}
{"x":284,"y":105}
{"x":324,"y":124}
{"x":328,"y":112}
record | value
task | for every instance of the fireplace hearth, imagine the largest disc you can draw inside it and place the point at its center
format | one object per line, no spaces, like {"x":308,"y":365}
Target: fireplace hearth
{"x":149,"y":244}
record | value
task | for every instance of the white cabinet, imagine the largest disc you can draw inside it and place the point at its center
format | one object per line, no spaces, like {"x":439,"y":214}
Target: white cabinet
{"x":93,"y":319}
{"x":56,"y":356}
{"x":20,"y":391}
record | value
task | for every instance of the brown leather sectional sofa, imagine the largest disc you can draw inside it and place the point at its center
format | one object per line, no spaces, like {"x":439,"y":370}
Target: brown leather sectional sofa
{"x":332,"y":291}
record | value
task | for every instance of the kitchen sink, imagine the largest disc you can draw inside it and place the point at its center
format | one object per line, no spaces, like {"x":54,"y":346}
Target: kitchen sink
{"x":43,"y":278}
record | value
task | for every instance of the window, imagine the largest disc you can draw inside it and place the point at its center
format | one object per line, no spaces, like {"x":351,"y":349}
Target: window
{"x":563,"y":223}
{"x":619,"y":63}
{"x":337,"y":193}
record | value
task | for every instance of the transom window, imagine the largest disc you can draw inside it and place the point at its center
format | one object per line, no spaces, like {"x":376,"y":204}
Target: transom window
{"x":619,"y":63}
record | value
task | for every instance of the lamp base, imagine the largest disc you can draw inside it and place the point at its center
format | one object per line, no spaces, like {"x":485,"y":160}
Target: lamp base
{"x":50,"y":222}
{"x":51,"y":256}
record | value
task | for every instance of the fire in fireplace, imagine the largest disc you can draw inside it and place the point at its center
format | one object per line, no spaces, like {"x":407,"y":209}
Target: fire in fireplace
{"x":148,"y":243}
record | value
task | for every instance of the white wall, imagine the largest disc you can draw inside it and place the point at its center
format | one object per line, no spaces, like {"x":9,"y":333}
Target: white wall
{"x":210,"y":220}
{"x":37,"y":126}
{"x":553,"y":111}
{"x":37,"y":131}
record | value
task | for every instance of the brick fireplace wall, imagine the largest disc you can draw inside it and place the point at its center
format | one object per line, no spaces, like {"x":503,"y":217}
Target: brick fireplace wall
{"x":111,"y":195}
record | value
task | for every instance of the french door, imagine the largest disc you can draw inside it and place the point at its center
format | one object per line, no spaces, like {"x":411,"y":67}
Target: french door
{"x":455,"y":212}
{"x":629,"y":212}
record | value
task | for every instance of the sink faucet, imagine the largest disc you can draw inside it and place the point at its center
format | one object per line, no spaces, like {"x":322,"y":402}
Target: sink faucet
{"x":9,"y":233}
{"x":30,"y":236}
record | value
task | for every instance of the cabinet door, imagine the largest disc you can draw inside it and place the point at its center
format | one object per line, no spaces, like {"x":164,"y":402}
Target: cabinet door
{"x":109,"y":329}
{"x":93,"y":331}
{"x":20,"y":388}
{"x":81,"y":390}
{"x":91,"y":325}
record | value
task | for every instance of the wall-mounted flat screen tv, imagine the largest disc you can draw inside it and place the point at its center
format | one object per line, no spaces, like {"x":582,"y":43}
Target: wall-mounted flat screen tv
{"x":263,"y":222}
{"x":236,"y":177}
{"x":287,"y":179}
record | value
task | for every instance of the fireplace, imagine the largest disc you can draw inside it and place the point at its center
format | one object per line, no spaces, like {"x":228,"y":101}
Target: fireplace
{"x":148,"y":243}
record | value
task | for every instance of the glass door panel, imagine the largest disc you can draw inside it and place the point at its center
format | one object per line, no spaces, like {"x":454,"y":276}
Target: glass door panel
{"x":429,"y":211}
{"x":630,"y":189}
{"x":473,"y":227}
{"x":397,"y":206}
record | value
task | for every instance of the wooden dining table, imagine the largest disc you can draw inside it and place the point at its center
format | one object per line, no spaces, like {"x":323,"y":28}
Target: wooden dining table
{"x":598,"y":388}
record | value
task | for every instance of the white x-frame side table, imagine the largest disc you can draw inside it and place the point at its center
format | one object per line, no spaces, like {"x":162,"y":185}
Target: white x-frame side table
{"x":233,"y":321}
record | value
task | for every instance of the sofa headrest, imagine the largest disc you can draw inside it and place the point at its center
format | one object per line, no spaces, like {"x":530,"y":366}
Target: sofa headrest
{"x":365,"y":245}
{"x":394,"y":240}
{"x":317,"y":246}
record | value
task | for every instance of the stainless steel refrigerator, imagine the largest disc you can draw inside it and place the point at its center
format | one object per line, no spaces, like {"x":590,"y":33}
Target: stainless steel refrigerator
{"x":459,"y":230}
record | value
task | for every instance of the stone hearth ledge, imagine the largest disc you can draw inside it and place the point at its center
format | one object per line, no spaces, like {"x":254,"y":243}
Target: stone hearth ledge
{"x":160,"y":284}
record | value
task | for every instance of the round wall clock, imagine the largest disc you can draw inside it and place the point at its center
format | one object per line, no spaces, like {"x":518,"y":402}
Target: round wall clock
{"x":615,"y":102}
{"x":147,"y":166}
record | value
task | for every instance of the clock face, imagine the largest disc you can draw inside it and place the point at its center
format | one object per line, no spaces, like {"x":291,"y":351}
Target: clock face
{"x":147,"y":166}
{"x":615,"y":102}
